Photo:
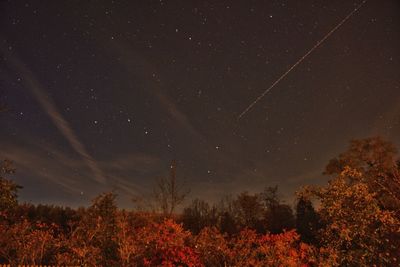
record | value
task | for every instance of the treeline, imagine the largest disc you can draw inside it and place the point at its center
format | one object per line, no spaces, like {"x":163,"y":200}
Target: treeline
{"x":263,"y":212}
{"x":354,"y":220}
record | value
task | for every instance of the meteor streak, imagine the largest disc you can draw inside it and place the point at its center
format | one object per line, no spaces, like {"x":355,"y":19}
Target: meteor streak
{"x":301,"y":60}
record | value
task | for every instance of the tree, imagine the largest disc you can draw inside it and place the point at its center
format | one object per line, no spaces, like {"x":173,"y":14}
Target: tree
{"x":198,"y":215}
{"x":278,"y":216}
{"x":8,"y":190}
{"x":227,"y":216}
{"x":377,"y":161}
{"x":250,"y":211}
{"x":169,"y":193}
{"x":61,"y":216}
{"x":126,"y":239}
{"x":92,"y":240}
{"x":368,"y":156}
{"x":356,"y":226}
{"x":104,"y":212}
{"x":307,"y":220}
{"x":360,"y":207}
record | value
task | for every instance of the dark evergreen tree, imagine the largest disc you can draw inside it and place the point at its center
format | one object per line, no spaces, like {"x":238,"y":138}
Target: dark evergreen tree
{"x":307,"y":220}
{"x":278,"y":216}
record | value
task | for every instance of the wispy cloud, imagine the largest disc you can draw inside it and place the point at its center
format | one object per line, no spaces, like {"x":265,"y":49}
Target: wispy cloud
{"x":38,"y":91}
{"x":139,"y":65}
{"x":45,"y":165}
{"x":167,"y":103}
{"x":128,"y":171}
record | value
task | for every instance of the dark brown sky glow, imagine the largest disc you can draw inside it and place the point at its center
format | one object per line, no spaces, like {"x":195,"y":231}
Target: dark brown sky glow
{"x":103,"y":95}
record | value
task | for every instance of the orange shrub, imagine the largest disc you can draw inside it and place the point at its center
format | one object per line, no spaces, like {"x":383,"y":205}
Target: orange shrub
{"x":250,"y":249}
{"x":27,"y":243}
{"x":165,"y":244}
{"x":212,"y":247}
{"x":285,"y":250}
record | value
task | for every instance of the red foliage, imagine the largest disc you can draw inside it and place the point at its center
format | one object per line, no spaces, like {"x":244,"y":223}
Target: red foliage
{"x":250,"y":249}
{"x":165,"y":244}
{"x":152,"y":243}
{"x":27,"y":243}
{"x":212,"y":247}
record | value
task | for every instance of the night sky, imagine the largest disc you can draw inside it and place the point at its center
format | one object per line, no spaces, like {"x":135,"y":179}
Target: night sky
{"x":103,"y":95}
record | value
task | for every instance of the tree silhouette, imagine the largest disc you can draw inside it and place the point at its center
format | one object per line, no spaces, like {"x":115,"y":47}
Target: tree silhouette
{"x":307,"y":220}
{"x":199,"y":215}
{"x":278,"y":216}
{"x":169,"y":192}
{"x":250,"y":211}
{"x":8,"y":190}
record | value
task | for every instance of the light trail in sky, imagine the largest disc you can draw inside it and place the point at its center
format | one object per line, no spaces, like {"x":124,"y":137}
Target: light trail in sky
{"x":301,"y":59}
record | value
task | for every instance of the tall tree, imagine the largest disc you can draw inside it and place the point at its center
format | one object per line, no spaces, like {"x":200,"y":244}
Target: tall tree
{"x":376,"y":159}
{"x":104,"y":212}
{"x":356,"y":226}
{"x":307,"y":220}
{"x":8,"y":190}
{"x":368,"y":156}
{"x":278,"y":216}
{"x":92,"y":241}
{"x":227,"y":216}
{"x":361,"y":204}
{"x":169,"y":192}
{"x":250,"y":211}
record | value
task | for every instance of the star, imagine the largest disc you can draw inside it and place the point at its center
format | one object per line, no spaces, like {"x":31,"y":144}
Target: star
{"x":155,"y":83}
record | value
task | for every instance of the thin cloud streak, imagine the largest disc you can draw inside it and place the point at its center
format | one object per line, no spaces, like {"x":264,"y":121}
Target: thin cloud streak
{"x":34,"y":155}
{"x":136,"y":63}
{"x":70,"y":174}
{"x":51,"y":110}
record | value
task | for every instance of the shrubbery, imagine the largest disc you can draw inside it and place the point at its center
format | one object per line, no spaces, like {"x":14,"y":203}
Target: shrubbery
{"x":357,"y":223}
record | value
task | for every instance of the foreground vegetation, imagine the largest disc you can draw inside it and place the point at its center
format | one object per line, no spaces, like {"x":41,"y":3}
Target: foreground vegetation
{"x":356,"y":223}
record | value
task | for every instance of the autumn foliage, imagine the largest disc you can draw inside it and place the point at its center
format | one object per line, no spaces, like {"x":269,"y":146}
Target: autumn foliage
{"x":157,"y":244}
{"x":356,"y":223}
